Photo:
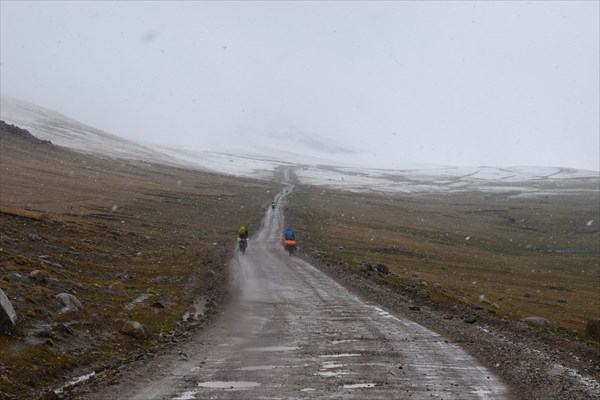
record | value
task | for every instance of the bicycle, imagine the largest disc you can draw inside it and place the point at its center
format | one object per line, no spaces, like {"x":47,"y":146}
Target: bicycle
{"x":243,"y":244}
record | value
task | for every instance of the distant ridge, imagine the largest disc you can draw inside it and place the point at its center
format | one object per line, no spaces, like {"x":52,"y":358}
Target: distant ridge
{"x":61,"y":130}
{"x":255,"y":161}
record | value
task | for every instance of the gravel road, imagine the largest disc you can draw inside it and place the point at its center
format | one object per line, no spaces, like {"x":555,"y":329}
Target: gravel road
{"x":292,"y":332}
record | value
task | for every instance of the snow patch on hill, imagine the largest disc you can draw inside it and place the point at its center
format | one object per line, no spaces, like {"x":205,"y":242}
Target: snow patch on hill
{"x":261,"y":160}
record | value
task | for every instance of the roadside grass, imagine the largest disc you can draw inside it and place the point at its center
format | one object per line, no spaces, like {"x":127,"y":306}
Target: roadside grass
{"x":107,"y":231}
{"x":536,"y":256}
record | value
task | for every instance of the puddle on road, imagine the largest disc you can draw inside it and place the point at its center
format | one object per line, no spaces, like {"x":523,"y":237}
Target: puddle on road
{"x":272,"y":348}
{"x":260,"y":367}
{"x":331,"y":365}
{"x":344,"y":341}
{"x":329,"y":374}
{"x":339,"y":355}
{"x":189,"y":395}
{"x":229,"y":385}
{"x":359,"y":385}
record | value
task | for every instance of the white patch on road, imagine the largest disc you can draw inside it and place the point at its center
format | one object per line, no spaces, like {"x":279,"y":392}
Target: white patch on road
{"x":331,"y":365}
{"x":260,"y":367}
{"x":344,"y":341}
{"x":228,"y":385}
{"x":189,"y":395}
{"x":330,"y":374}
{"x":272,"y":348}
{"x":339,"y":355}
{"x":359,"y":385}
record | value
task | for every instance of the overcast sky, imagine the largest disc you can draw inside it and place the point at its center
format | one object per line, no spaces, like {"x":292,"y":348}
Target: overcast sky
{"x":453,"y":83}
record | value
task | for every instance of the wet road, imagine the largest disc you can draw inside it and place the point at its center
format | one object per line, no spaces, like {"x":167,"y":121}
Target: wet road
{"x":293,"y":333}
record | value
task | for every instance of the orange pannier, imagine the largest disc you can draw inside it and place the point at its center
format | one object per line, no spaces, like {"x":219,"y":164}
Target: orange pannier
{"x":289,"y":243}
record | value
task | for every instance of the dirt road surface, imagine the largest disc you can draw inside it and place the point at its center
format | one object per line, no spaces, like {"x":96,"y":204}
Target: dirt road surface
{"x":291,"y":332}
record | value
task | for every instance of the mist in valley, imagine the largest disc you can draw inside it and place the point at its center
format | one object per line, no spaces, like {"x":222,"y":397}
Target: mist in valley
{"x":391,"y":85}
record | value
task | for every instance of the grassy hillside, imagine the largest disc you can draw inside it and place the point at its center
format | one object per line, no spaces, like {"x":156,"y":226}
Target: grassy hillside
{"x":108,"y":232}
{"x":513,"y":256}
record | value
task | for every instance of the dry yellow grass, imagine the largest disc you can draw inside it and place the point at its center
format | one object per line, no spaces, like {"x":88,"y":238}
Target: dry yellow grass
{"x":108,"y":231}
{"x":528,"y":256}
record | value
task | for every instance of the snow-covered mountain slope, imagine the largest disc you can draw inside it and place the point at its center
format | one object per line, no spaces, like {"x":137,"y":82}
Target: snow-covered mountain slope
{"x":63,"y":131}
{"x":259,"y":160}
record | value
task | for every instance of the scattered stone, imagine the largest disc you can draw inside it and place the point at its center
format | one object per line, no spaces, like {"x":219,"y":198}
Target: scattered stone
{"x":470,"y":319}
{"x":483,"y":299}
{"x":414,"y":308}
{"x":70,"y":303}
{"x":135,"y":329}
{"x":383,"y":269}
{"x":538,"y":321}
{"x":8,"y":317}
{"x":38,"y":276}
{"x":561,"y":300}
{"x":477,"y":306}
{"x":437,"y":285}
{"x":64,"y":328}
{"x":592,"y":328}
{"x":45,"y":334}
{"x":367,"y":267}
{"x":157,"y":304}
{"x":423,"y":283}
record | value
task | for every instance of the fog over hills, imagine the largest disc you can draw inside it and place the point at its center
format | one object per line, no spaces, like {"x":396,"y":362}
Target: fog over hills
{"x":317,"y":162}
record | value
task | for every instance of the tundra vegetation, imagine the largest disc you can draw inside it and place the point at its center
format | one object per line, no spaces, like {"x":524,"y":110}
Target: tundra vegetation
{"x":136,"y":241}
{"x":132,"y":241}
{"x":515,"y":256}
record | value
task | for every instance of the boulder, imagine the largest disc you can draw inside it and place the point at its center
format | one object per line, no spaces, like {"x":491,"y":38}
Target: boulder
{"x":538,"y":321}
{"x":38,"y":276}
{"x":8,"y":316}
{"x":383,"y":269}
{"x":70,"y":303}
{"x":592,"y":328}
{"x":157,"y":304}
{"x":135,"y":329}
{"x":470,"y":319}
